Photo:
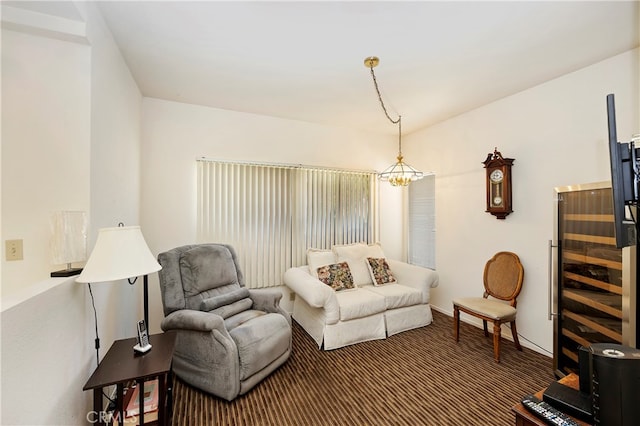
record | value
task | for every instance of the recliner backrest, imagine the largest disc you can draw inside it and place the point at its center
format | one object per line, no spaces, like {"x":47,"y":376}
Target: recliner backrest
{"x":200,"y":277}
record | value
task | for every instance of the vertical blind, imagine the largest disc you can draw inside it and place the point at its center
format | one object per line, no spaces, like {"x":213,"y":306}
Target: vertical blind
{"x":272,"y":214}
{"x":422,"y":222}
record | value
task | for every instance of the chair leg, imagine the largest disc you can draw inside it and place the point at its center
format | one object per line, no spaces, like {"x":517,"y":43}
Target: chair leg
{"x":484,"y":326}
{"x":514,"y":333}
{"x":456,"y":322}
{"x":496,"y":341}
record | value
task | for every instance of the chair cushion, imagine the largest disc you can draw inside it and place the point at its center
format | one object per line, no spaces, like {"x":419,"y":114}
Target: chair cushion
{"x":217,"y":301}
{"x":359,"y":303}
{"x":487,"y":307}
{"x":234,"y":308}
{"x":317,"y":258}
{"x":397,"y":295}
{"x":241,"y":317}
{"x":207,"y":267}
{"x":260,"y":340}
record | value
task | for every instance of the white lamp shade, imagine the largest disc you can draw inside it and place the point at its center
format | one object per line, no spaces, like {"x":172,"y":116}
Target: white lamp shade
{"x":119,"y":253}
{"x":68,"y":237}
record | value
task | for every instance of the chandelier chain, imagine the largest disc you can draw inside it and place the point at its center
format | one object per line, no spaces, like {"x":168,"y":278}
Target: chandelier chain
{"x":375,"y":83}
{"x":399,"y":173}
{"x":398,"y":121}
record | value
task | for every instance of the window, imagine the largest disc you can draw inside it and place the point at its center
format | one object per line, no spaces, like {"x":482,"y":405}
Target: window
{"x":422,"y":224}
{"x":271,"y":214}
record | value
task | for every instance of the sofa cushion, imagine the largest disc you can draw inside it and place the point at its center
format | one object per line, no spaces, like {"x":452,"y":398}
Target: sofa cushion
{"x":359,"y":304}
{"x":317,"y":258}
{"x":337,"y":276}
{"x":380,"y":271}
{"x":397,"y":295}
{"x":355,"y":255}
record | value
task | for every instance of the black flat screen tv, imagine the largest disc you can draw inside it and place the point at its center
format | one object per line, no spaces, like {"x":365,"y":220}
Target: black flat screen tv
{"x":623,"y":180}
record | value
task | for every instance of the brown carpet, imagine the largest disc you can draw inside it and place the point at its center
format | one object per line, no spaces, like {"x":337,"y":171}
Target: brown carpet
{"x":419,"y":377}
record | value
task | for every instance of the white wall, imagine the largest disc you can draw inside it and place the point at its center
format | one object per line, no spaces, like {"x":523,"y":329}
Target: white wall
{"x":115,"y":167}
{"x":45,"y":134}
{"x":45,"y":144}
{"x":175,"y":134}
{"x":557,"y":133}
{"x":70,"y":140}
{"x":46,"y":355}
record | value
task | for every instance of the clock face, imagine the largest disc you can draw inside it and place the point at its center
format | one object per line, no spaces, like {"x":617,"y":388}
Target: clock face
{"x":496,"y":175}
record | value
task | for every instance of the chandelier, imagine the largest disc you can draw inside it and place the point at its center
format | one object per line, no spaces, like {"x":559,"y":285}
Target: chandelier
{"x":399,"y":173}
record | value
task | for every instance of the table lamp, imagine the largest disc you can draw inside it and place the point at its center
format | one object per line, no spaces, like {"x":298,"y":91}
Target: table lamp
{"x":121,"y":252}
{"x":68,"y":241}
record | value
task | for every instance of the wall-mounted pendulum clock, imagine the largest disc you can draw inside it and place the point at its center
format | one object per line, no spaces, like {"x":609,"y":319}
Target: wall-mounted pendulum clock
{"x":498,"y":178}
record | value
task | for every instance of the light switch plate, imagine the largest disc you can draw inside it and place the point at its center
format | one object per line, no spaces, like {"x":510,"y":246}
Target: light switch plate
{"x":13,"y":250}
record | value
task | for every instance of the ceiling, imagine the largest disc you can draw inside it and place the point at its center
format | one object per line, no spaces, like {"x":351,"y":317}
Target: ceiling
{"x":305,"y":60}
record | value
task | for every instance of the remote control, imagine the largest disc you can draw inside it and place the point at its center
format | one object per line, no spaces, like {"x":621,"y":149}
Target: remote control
{"x":546,"y":412}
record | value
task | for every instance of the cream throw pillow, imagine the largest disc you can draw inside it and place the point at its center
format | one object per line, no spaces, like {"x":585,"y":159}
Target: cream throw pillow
{"x":356,"y":256}
{"x":317,"y":258}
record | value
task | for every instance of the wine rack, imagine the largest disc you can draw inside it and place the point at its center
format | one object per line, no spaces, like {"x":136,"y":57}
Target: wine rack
{"x":592,"y":285}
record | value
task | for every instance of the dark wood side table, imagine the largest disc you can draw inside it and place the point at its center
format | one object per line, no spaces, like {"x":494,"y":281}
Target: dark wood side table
{"x":121,"y":365}
{"x":525,"y":418}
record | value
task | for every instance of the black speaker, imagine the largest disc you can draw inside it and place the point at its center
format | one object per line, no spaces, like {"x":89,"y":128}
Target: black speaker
{"x":615,"y":384}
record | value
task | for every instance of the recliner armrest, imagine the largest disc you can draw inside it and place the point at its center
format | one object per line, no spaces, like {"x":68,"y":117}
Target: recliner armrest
{"x":187,"y":319}
{"x":268,"y":300}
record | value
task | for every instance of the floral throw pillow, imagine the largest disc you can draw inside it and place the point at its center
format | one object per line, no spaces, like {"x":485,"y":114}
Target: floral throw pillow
{"x":337,"y":276}
{"x":380,"y":271}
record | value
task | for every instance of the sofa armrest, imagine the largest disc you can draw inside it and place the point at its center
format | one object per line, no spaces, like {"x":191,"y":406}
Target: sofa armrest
{"x":313,"y":291}
{"x":187,"y":319}
{"x":415,"y":276}
{"x":268,"y":300}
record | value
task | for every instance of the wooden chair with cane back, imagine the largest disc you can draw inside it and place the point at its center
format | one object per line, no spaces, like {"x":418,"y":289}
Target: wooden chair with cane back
{"x":503,"y":276}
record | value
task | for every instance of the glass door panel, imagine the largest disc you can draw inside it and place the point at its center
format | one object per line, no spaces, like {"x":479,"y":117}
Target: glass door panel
{"x":590,"y":284}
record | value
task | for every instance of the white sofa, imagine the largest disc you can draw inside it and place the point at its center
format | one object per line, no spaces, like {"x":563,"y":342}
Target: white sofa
{"x":368,"y":311}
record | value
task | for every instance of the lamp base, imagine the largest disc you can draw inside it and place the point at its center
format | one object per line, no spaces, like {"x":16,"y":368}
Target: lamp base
{"x":66,"y":272}
{"x":142,"y":349}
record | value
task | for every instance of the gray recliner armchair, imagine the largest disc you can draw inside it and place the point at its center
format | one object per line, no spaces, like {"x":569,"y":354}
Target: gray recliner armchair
{"x":228,"y":338}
